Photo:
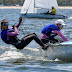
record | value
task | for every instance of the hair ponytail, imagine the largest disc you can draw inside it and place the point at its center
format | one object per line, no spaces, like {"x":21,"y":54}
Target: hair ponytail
{"x":3,"y":21}
{"x":2,"y":24}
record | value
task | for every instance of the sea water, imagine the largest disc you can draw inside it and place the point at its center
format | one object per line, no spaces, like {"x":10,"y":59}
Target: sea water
{"x":30,"y":58}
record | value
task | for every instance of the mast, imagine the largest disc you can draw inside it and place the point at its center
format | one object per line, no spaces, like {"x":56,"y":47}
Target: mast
{"x":34,"y":6}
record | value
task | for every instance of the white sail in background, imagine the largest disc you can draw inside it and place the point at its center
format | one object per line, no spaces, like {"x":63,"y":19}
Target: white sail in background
{"x":28,"y":6}
{"x":46,"y":4}
{"x":36,"y":6}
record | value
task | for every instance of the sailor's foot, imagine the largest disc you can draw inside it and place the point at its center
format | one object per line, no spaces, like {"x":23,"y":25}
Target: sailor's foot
{"x":46,"y":47}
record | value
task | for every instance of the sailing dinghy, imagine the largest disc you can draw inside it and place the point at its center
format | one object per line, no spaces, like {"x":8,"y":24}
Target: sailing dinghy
{"x":62,"y":51}
{"x":38,"y":8}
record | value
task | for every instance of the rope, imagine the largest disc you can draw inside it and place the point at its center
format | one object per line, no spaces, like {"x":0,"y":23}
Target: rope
{"x":21,"y":28}
{"x":28,"y":8}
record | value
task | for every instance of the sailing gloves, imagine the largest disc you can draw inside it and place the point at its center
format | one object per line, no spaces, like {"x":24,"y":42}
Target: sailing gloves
{"x":20,"y":19}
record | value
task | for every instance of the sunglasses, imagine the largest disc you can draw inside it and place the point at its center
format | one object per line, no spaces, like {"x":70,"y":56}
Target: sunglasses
{"x":6,"y":24}
{"x":62,"y":25}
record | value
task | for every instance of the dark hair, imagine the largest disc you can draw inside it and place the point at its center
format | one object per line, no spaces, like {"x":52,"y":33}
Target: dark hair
{"x":2,"y":22}
{"x":52,"y":7}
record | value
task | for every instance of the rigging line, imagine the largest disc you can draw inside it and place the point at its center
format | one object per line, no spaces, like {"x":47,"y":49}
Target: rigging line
{"x":34,"y":6}
{"x":28,"y":7}
{"x":22,"y":28}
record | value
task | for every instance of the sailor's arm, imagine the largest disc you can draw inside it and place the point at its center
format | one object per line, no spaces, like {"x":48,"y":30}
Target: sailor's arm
{"x":20,"y":20}
{"x":60,"y":34}
{"x":14,"y":33}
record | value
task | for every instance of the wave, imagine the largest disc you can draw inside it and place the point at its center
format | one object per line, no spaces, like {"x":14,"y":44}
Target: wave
{"x":70,"y":18}
{"x":11,"y":53}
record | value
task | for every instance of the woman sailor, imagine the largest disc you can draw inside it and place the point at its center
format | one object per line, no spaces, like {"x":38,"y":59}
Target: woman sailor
{"x":9,"y":36}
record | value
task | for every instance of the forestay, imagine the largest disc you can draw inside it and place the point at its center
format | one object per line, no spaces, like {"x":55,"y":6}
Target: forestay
{"x":28,"y":6}
{"x":38,"y":6}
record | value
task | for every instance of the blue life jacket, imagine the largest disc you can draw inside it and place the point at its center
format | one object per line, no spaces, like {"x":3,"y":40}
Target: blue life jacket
{"x":4,"y":36}
{"x":48,"y":30}
{"x":12,"y":39}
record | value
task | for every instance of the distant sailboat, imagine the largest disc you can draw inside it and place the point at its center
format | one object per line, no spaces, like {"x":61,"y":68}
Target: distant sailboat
{"x":37,"y":8}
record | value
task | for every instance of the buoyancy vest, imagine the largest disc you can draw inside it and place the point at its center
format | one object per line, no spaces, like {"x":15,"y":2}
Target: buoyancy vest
{"x":48,"y":30}
{"x":4,"y":36}
{"x":11,"y":40}
{"x":53,"y":11}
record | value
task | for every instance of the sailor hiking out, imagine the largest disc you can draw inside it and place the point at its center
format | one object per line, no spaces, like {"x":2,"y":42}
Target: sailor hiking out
{"x":50,"y":31}
{"x":9,"y":36}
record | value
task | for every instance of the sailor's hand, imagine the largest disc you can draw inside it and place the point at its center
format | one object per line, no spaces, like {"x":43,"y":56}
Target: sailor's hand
{"x":13,"y":26}
{"x":20,"y":19}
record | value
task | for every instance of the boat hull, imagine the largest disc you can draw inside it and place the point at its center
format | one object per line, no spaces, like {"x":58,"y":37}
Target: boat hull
{"x":45,"y":16}
{"x":62,"y":52}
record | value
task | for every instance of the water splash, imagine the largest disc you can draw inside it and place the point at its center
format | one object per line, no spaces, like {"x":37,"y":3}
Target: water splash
{"x":70,"y":18}
{"x":10,"y":55}
{"x":27,"y":54}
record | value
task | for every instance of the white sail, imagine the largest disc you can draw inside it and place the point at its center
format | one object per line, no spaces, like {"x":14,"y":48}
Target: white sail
{"x":28,"y":6}
{"x":38,"y":6}
{"x":46,"y":4}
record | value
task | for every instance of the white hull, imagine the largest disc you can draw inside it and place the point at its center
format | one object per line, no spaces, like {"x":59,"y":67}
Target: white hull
{"x":62,"y":52}
{"x":45,"y":16}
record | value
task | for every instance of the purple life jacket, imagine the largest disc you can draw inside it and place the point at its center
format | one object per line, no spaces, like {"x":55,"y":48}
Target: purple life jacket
{"x":4,"y":36}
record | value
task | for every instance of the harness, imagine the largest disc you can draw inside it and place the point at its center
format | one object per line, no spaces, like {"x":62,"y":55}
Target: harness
{"x":51,"y":35}
{"x":13,"y":40}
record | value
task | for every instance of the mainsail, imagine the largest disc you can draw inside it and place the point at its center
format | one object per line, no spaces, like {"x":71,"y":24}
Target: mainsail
{"x":46,"y":3}
{"x":38,"y":6}
{"x":28,"y":6}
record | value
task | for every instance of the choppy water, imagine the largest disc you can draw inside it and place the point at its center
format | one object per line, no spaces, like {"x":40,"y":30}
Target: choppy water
{"x":30,"y":59}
